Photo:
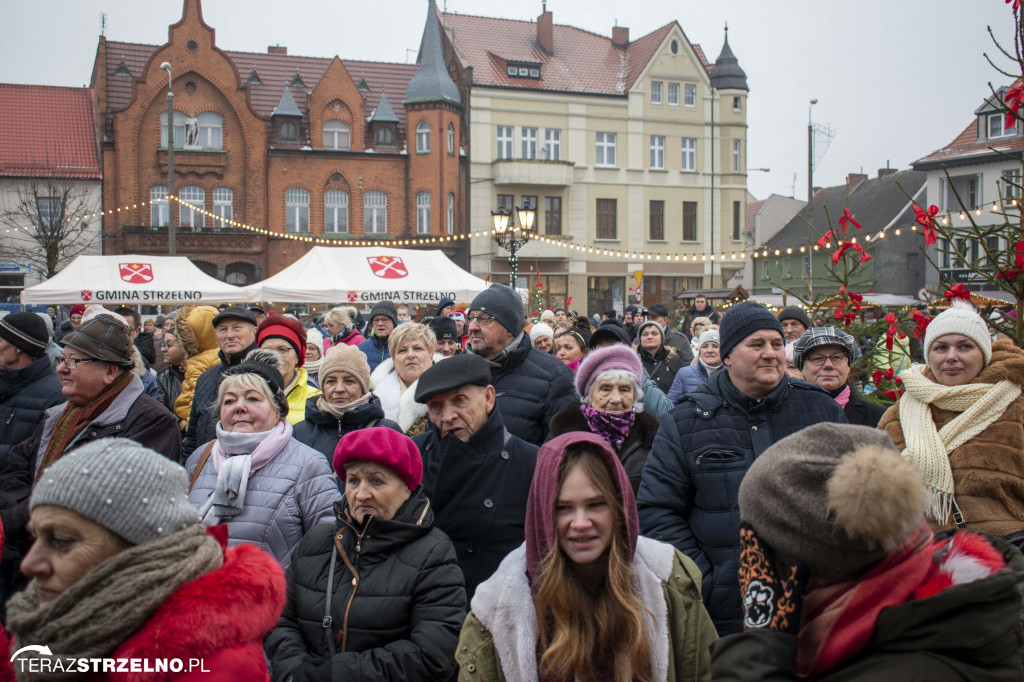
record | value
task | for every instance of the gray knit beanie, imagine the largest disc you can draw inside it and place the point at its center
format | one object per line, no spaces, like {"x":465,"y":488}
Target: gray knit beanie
{"x":834,"y":497}
{"x":504,"y":303}
{"x":132,"y":491}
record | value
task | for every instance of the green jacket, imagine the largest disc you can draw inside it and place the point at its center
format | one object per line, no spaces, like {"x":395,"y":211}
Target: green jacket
{"x":689,"y":630}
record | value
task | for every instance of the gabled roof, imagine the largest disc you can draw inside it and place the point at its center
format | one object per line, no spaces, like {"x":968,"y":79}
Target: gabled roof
{"x":967,"y":148}
{"x":286,"y":107}
{"x":583,"y":62}
{"x":753,"y":208}
{"x":47,"y":132}
{"x":432,"y":82}
{"x":874,"y":203}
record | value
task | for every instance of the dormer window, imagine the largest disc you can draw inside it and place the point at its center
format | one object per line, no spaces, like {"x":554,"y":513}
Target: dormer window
{"x":523,"y":70}
{"x":996,"y":126}
{"x":287,"y":131}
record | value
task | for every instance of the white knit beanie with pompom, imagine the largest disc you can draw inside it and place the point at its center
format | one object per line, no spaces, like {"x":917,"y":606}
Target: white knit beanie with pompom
{"x":960,"y":318}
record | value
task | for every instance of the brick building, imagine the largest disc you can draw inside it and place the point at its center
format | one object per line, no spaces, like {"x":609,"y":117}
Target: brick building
{"x":324,"y":148}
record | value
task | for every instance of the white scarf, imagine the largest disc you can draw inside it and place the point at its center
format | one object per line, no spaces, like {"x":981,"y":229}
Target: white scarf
{"x":978,"y":404}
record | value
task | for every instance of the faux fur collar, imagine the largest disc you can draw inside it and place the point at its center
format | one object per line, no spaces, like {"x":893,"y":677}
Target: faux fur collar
{"x":399,"y":406}
{"x":504,"y":606}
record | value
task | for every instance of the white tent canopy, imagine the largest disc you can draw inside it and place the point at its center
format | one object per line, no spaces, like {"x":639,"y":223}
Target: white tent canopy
{"x":365,"y":275}
{"x":132,"y":279}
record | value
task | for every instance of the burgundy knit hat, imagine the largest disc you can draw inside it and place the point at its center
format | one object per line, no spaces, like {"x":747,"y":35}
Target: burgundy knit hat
{"x":615,"y":356}
{"x":540,"y":505}
{"x":284,"y":327}
{"x":384,"y":446}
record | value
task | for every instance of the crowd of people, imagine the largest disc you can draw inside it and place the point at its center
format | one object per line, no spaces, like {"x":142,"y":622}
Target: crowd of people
{"x":485,"y":495}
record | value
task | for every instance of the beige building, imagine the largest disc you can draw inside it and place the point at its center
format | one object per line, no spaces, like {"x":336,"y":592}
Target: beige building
{"x":623,"y":147}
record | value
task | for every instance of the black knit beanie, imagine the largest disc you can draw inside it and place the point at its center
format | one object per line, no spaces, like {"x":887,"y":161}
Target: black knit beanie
{"x":742,"y":320}
{"x":385,"y":308}
{"x":25,"y":331}
{"x":504,"y":303}
{"x":797,"y":313}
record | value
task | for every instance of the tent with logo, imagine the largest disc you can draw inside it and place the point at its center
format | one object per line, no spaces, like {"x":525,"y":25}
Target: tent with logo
{"x":133,"y":279}
{"x":363,"y":275}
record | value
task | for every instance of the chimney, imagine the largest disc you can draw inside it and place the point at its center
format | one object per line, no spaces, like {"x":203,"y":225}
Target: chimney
{"x":276,"y":49}
{"x":620,"y":36}
{"x":854,"y":179}
{"x":882,"y":172}
{"x":545,"y":32}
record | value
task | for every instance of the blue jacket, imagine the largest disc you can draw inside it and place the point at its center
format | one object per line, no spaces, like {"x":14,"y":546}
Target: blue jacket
{"x":24,"y":395}
{"x":689,"y":495}
{"x":687,"y":380}
{"x":375,"y":350}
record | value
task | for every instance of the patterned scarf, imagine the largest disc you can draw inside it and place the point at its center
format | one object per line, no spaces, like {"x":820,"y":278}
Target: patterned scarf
{"x":612,"y":426}
{"x":73,"y":419}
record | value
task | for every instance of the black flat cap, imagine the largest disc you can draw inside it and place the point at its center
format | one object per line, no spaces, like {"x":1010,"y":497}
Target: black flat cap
{"x":236,"y":312}
{"x":452,"y":373}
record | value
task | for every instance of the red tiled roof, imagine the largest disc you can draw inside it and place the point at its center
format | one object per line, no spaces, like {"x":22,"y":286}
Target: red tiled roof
{"x":582,"y":62}
{"x":753,"y":208}
{"x":967,"y":145}
{"x":47,"y":131}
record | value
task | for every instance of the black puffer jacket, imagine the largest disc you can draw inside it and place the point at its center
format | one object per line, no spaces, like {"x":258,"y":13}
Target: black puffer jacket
{"x":689,"y":496}
{"x":635,"y":449}
{"x":168,"y":386}
{"x":321,"y":430}
{"x":861,"y":411}
{"x":202,"y":422}
{"x":24,"y":395}
{"x":397,"y":607}
{"x":531,"y":387}
{"x":479,"y":491}
{"x":662,"y":366}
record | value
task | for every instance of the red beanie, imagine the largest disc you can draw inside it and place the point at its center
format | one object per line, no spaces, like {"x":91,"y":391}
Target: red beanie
{"x":287,"y":328}
{"x":386,"y":447}
{"x":77,"y":309}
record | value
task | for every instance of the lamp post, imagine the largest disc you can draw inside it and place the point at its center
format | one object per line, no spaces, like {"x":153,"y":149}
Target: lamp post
{"x":810,"y":152}
{"x":166,"y":66}
{"x":511,"y":237}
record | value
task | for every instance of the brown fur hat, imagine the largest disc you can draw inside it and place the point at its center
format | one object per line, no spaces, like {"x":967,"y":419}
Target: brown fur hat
{"x":835,"y":497}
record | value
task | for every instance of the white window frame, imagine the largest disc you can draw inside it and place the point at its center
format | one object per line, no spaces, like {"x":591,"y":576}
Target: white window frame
{"x":1000,"y":121}
{"x":673,"y":94}
{"x":423,"y":213}
{"x":375,"y":212}
{"x":689,"y":154}
{"x":766,"y":273}
{"x":1009,"y":191}
{"x":690,"y":95}
{"x":179,"y":129}
{"x":188,"y":217}
{"x":553,"y":144}
{"x":504,"y":137}
{"x":337,"y":134}
{"x":422,"y":137}
{"x":787,"y":267}
{"x":529,"y":142}
{"x":48,"y":210}
{"x":296,"y":210}
{"x":451,"y":139}
{"x":211,"y":130}
{"x":451,"y":213}
{"x":735,"y":156}
{"x":657,"y":152}
{"x":223,"y":206}
{"x":159,"y":210}
{"x":737,"y":103}
{"x":336,"y":212}
{"x":657,"y":88}
{"x":605,"y":150}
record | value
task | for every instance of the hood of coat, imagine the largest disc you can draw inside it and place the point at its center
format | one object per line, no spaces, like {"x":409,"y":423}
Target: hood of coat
{"x":194,"y":328}
{"x":1007,"y":364}
{"x":236,"y":604}
{"x":413,"y":520}
{"x":540,"y":505}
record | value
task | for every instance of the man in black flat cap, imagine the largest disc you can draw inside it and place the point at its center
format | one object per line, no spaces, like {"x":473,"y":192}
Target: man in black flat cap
{"x":476,"y":474}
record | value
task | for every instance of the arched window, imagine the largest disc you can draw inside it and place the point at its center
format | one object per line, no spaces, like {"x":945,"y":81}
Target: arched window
{"x":451,"y":213}
{"x":296,"y":209}
{"x":336,"y":135}
{"x":211,"y":127}
{"x":223,"y":200}
{"x":191,"y":217}
{"x":451,"y":139}
{"x":386,"y":136}
{"x":375,"y":213}
{"x":179,"y":130}
{"x":288,"y":131}
{"x":335,"y":211}
{"x":422,"y":137}
{"x":159,"y":216}
{"x":423,"y":213}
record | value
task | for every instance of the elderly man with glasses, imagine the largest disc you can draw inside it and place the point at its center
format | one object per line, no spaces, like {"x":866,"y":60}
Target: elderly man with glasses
{"x":825,"y":355}
{"x":530,"y":385}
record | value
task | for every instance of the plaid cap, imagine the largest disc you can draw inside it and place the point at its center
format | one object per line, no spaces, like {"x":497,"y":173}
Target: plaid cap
{"x":823,"y":336}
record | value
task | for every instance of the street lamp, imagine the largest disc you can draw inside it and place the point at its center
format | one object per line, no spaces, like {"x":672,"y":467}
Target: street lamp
{"x":166,"y":66}
{"x":810,"y":152}
{"x":511,"y":237}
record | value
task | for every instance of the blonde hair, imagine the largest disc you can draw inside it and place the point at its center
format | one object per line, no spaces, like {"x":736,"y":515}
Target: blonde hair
{"x":409,"y":332}
{"x":582,"y":635}
{"x":339,"y":316}
{"x":247,"y":382}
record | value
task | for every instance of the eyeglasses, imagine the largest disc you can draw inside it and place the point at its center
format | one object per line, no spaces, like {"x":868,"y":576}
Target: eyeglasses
{"x":482,"y":320}
{"x":72,"y":363}
{"x":819,"y":360}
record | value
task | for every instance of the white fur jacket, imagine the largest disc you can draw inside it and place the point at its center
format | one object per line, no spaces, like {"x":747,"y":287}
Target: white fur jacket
{"x":398,"y":406}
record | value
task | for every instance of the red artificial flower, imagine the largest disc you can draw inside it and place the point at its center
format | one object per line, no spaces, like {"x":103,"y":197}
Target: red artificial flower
{"x":1018,"y":257}
{"x":921,"y":322}
{"x":892,"y":331}
{"x":844,"y":317}
{"x":838,"y":253}
{"x":893,"y":395}
{"x":926,"y":219}
{"x":876,"y":377}
{"x":959,"y":291}
{"x":539,"y":285}
{"x":825,"y":239}
{"x":847,"y":218}
{"x":568,"y":302}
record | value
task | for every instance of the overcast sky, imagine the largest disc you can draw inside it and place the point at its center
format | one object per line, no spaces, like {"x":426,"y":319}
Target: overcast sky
{"x":896,"y":79}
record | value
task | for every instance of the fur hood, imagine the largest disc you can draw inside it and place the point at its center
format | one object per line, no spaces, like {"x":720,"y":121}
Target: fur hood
{"x":398,"y":406}
{"x":571,"y":419}
{"x":194,"y":328}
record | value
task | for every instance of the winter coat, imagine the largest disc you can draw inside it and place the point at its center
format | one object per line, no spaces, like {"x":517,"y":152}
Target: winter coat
{"x":398,"y":601}
{"x":63,"y":330}
{"x":144,"y":342}
{"x":168,"y":384}
{"x":321,"y":430}
{"x":202,"y":417}
{"x":634,"y":450}
{"x":399,"y":406}
{"x":674,"y":339}
{"x":297,"y":397}
{"x":24,"y":394}
{"x":988,"y":470}
{"x":862,"y":412}
{"x":690,"y":489}
{"x":197,"y":338}
{"x":479,"y":492}
{"x":967,"y":631}
{"x":499,"y":640}
{"x":687,"y":380}
{"x":132,"y":414}
{"x":350,"y":337}
{"x":531,"y":386}
{"x":375,"y":350}
{"x":284,"y":499}
{"x":693,"y":313}
{"x":662,"y":366}
{"x":655,"y":402}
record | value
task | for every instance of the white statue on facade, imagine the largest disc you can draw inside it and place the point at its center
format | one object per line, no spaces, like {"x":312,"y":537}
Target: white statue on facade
{"x":191,"y":130}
